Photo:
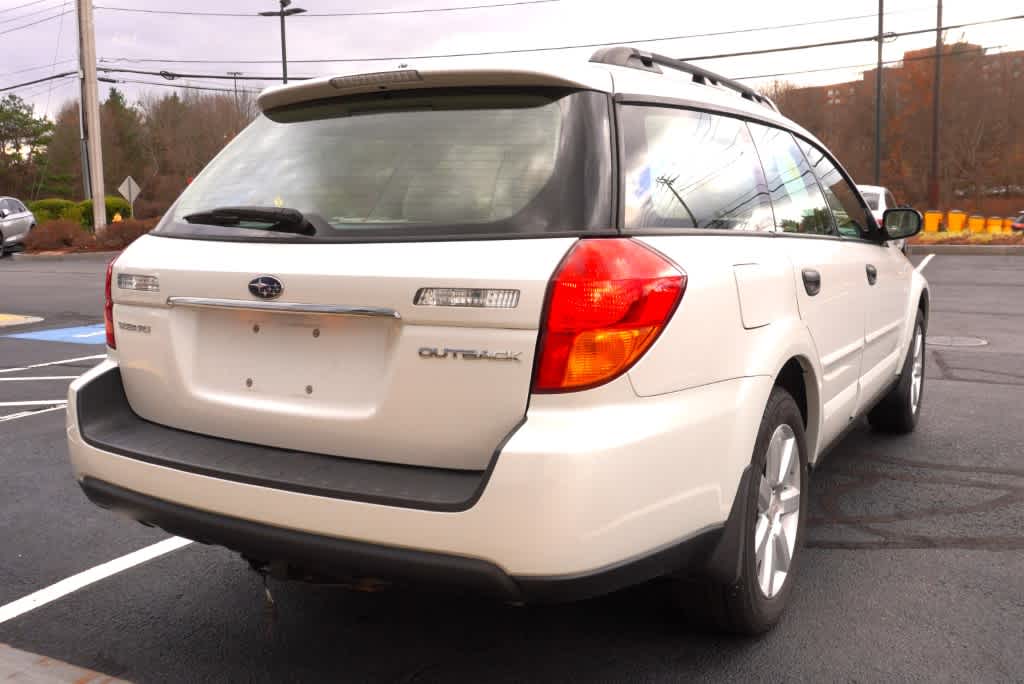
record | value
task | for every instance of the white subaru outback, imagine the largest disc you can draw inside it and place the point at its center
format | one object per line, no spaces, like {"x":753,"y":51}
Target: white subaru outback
{"x":538,"y":334}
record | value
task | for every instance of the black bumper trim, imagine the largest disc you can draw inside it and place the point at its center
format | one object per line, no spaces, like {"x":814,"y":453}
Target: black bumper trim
{"x":106,"y":421}
{"x":346,"y":558}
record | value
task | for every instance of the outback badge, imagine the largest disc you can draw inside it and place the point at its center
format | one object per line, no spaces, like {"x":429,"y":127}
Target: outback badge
{"x":468,"y":354}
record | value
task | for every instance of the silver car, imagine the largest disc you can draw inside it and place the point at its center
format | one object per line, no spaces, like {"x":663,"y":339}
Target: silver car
{"x":15,"y":223}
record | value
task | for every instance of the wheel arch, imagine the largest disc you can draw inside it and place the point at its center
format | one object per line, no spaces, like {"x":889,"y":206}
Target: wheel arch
{"x":797,"y":375}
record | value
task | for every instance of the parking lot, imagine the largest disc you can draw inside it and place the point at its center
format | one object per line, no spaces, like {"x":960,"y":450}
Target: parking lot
{"x":915,"y":569}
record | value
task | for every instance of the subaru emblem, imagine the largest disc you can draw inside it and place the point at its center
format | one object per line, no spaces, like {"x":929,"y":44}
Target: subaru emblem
{"x":266,"y":287}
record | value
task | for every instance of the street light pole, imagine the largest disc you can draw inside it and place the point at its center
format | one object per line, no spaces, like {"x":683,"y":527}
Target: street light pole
{"x":285,"y":11}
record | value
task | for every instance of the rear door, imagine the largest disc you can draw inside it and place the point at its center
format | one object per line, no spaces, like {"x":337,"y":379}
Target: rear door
{"x":885,"y":270}
{"x":404,"y":329}
{"x":831,"y":286}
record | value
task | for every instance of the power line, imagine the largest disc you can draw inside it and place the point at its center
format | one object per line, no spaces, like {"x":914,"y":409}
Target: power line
{"x":38,"y":80}
{"x":37,"y":21}
{"x":32,"y":13}
{"x":172,"y":75}
{"x":36,"y":68}
{"x":18,"y":7}
{"x":372,"y":13}
{"x":849,"y":41}
{"x":395,"y":58}
{"x":962,"y":53}
{"x":184,"y":86}
{"x":711,"y":34}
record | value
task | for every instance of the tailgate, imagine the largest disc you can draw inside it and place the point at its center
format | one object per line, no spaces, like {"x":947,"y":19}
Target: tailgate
{"x":342,"y":362}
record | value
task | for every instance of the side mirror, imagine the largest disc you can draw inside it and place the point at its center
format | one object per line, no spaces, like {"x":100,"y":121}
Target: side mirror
{"x":901,"y":223}
{"x":4,"y":213}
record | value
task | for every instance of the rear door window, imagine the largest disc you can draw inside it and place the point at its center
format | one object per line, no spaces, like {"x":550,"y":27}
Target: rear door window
{"x":690,"y":169}
{"x":799,"y":204}
{"x":425,"y":164}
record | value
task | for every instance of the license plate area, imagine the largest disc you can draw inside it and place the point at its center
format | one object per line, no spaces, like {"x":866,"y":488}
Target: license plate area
{"x":340,"y":361}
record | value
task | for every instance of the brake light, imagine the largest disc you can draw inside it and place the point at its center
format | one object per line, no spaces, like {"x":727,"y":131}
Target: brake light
{"x":607,"y":303}
{"x":108,"y":306}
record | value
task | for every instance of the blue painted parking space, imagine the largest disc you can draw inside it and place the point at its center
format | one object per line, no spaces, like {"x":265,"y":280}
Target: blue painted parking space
{"x":84,"y":334}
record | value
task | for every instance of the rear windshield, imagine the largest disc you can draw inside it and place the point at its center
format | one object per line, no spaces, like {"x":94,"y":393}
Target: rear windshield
{"x":872,"y":199}
{"x":417,"y":165}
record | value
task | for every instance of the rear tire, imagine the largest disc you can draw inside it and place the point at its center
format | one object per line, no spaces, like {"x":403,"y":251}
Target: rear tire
{"x":773,"y":530}
{"x":898,"y":411}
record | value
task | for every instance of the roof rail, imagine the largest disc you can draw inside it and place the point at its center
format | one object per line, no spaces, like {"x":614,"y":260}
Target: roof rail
{"x":651,"y":61}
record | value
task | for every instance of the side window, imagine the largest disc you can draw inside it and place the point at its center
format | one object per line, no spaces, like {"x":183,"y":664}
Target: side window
{"x":19,"y":207}
{"x":799,"y":204}
{"x":890,"y":201}
{"x":7,"y":204}
{"x":688,"y":169}
{"x":849,"y":214}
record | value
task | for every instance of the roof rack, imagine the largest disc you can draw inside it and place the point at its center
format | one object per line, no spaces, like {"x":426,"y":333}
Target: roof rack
{"x":651,"y":61}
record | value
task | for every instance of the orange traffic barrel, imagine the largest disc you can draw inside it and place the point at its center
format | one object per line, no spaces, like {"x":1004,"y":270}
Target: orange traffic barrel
{"x":932,"y":220}
{"x":995,"y":224}
{"x":955,"y":221}
{"x":976,"y":223}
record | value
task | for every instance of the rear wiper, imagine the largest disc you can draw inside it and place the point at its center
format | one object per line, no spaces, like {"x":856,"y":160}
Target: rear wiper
{"x":278,"y":219}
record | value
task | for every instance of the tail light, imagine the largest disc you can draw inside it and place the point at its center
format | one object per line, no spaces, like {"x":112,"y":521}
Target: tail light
{"x":108,"y":306}
{"x":608,"y":302}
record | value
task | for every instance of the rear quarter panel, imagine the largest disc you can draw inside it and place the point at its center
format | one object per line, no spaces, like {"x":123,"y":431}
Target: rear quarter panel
{"x":738,"y":318}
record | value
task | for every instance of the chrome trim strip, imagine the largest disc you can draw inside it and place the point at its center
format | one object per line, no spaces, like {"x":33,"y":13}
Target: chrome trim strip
{"x":285,"y":307}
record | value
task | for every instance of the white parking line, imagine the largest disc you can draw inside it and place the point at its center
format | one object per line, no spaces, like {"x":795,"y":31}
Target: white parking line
{"x":924,"y":262}
{"x":84,"y":579}
{"x":40,"y":377}
{"x":42,"y":402}
{"x":26,"y":414}
{"x":53,"y":363}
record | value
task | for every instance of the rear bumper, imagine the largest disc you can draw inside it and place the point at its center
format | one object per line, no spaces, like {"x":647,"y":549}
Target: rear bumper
{"x":579,"y":500}
{"x":348,"y":558}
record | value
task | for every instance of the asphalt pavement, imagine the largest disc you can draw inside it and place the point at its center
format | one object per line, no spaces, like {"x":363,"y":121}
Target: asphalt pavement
{"x":914,"y":569}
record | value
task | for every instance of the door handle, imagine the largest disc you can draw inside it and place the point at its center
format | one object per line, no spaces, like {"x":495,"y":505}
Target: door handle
{"x":872,"y":274}
{"x":812,"y":281}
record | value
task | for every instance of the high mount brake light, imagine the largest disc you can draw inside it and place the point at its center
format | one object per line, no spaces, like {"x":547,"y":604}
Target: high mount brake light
{"x":108,"y":306}
{"x":607,"y":303}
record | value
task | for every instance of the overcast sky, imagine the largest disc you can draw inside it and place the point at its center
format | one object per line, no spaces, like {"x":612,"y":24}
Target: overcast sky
{"x":32,"y":51}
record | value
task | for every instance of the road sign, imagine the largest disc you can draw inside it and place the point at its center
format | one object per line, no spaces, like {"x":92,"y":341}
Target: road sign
{"x":129,"y":189}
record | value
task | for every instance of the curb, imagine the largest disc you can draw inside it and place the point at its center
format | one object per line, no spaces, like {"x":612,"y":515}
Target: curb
{"x":22,"y":666}
{"x":974,"y":250}
{"x":106,"y":254}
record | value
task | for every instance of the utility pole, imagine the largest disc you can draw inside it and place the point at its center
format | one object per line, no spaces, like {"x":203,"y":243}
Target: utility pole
{"x":933,"y":181}
{"x":878,"y":97}
{"x":89,"y":113}
{"x":283,"y":12}
{"x":234,"y":77}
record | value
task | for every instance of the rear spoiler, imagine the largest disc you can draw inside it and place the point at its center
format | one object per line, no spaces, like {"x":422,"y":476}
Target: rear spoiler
{"x":410,"y":79}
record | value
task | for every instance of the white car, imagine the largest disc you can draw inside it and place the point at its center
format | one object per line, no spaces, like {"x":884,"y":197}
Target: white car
{"x":533,"y":333}
{"x":879,"y":199}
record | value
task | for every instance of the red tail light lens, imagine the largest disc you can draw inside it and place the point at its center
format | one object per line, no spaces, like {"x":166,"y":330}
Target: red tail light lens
{"x":108,"y":306}
{"x":608,"y":302}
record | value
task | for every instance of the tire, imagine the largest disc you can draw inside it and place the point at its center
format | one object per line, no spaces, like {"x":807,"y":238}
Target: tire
{"x":898,"y":411}
{"x":755,"y":602}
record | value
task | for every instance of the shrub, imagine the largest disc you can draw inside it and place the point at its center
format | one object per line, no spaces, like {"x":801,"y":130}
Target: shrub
{"x":114,"y":205}
{"x":59,"y":234}
{"x":53,"y":208}
{"x":123,"y":233}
